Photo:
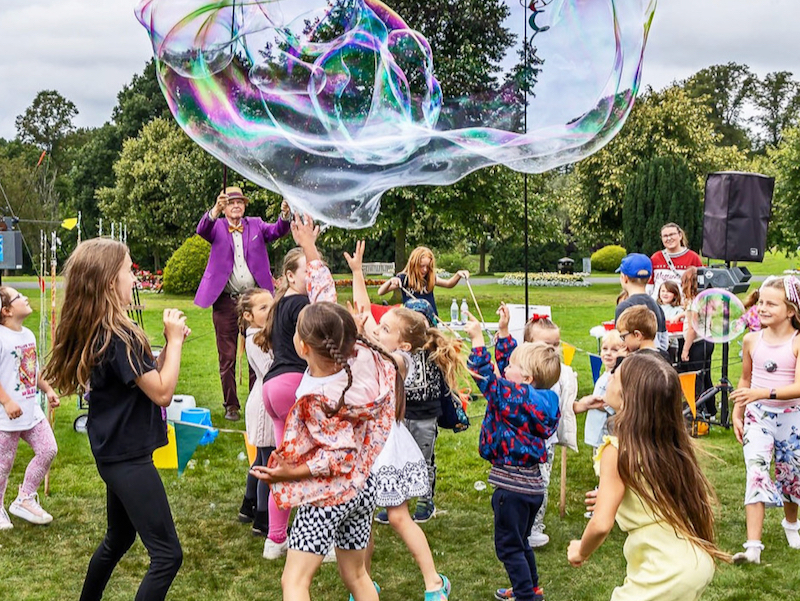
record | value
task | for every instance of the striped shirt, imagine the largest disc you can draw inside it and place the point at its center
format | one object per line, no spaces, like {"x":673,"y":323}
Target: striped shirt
{"x":523,"y":480}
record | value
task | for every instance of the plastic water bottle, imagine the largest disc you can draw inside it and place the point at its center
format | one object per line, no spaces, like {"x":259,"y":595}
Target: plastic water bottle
{"x":464,"y":310}
{"x":454,"y":312}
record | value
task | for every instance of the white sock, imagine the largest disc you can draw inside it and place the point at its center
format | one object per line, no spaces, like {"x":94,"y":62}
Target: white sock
{"x":752,"y":553}
{"x":792,"y":534}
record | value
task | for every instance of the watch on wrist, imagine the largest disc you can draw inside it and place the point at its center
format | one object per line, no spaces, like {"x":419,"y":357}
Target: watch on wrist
{"x":773,"y":394}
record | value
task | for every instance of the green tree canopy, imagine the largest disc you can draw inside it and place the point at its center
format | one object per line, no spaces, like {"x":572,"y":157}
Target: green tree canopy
{"x":47,"y":121}
{"x":777,"y":99}
{"x":666,"y":123}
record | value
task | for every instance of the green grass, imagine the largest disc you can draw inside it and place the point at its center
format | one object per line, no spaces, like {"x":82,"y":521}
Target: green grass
{"x":223,"y":561}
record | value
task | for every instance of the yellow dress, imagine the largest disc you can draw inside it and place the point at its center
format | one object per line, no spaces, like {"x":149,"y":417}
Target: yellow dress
{"x":662,"y":565}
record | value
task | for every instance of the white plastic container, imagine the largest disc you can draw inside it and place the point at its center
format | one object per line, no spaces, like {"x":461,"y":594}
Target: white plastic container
{"x":178,"y":404}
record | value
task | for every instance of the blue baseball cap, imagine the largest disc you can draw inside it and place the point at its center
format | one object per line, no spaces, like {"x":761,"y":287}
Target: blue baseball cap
{"x":420,"y":305}
{"x":636,"y":265}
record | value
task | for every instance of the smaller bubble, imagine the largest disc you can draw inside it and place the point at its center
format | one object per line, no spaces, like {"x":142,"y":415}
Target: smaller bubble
{"x":206,"y":463}
{"x":480,"y":485}
{"x":242,"y":456}
{"x":717,"y":315}
{"x":192,"y":464}
{"x":212,"y":506}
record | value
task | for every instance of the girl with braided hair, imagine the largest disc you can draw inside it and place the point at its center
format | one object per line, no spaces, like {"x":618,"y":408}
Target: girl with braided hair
{"x":346,"y":403}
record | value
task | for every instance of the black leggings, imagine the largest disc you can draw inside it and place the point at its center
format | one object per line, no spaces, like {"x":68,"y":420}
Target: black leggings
{"x":136,"y":503}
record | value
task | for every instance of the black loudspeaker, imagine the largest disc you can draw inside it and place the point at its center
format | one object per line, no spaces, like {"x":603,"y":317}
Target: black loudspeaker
{"x":736,"y":215}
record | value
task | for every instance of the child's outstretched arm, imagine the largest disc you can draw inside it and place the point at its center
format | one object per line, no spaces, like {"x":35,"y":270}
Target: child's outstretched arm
{"x":281,"y":471}
{"x":454,"y":279}
{"x":159,"y":384}
{"x":505,"y":344}
{"x":361,"y":300}
{"x":609,"y":497}
{"x":319,"y":282}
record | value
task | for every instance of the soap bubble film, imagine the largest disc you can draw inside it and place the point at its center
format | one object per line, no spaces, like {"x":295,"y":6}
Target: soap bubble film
{"x":718,"y":315}
{"x":331,"y":105}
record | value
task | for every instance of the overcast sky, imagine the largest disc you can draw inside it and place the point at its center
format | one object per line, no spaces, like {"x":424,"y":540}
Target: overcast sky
{"x":88,"y":49}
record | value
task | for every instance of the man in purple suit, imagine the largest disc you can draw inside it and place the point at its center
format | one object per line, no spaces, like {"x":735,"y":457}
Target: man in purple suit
{"x":238,"y":261}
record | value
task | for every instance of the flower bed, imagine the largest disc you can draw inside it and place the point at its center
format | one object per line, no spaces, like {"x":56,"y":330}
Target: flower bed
{"x":147,"y":280}
{"x":544,"y":279}
{"x":370,"y":282}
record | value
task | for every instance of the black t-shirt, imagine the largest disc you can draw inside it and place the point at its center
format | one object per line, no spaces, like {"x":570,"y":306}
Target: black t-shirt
{"x":124,"y":423}
{"x":428,"y":296}
{"x":425,"y":388}
{"x":285,"y":358}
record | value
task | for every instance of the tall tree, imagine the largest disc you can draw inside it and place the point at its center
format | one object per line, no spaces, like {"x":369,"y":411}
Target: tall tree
{"x":726,"y":90}
{"x":782,"y":164}
{"x":666,"y":123}
{"x":47,"y":121}
{"x":163,"y":184}
{"x":469,"y":41}
{"x":139,"y":102}
{"x":660,"y":190}
{"x":777,"y":100}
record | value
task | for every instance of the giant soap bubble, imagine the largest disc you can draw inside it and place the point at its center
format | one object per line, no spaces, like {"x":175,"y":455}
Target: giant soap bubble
{"x":333,"y":104}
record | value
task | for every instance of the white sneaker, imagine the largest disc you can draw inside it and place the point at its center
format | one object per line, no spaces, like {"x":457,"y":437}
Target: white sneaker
{"x":330,"y":556}
{"x":5,"y":521}
{"x":273,"y":550}
{"x":28,"y":509}
{"x":538,"y":539}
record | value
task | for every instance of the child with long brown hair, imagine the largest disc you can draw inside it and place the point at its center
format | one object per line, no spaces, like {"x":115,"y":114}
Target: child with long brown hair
{"x":401,"y":471}
{"x":252,"y":309}
{"x":99,"y":349}
{"x":652,"y":485}
{"x":418,"y":278}
{"x":306,"y":279}
{"x":21,"y":417}
{"x":695,"y":352}
{"x":346,"y":404}
{"x":766,"y":418}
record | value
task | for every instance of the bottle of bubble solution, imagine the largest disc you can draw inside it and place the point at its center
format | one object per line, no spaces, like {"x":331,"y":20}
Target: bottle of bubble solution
{"x":454,"y":312}
{"x":464,"y":310}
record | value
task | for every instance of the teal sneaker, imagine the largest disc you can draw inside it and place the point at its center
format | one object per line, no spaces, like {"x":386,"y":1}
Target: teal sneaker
{"x":443,"y":594}
{"x":377,"y":588}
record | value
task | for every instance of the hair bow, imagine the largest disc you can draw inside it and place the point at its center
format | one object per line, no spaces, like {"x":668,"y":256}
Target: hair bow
{"x":790,"y":285}
{"x":537,"y":317}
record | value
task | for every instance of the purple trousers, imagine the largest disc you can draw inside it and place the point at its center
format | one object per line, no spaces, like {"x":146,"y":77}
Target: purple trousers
{"x":226,"y":328}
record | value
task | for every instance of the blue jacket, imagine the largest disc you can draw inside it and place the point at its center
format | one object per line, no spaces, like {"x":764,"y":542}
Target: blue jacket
{"x":519,"y":418}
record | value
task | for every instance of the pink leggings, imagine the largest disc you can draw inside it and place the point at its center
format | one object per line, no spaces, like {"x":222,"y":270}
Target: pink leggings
{"x":43,"y":443}
{"x":279,"y":397}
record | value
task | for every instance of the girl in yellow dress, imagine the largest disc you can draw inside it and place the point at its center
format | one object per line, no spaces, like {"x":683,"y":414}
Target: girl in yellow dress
{"x":651,"y":484}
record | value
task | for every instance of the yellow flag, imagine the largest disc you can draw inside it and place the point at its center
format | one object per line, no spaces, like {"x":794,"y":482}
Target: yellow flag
{"x":70,"y":223}
{"x":569,"y":353}
{"x":687,"y":385}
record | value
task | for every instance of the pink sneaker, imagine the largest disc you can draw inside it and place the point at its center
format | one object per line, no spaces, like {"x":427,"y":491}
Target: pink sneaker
{"x":28,"y":509}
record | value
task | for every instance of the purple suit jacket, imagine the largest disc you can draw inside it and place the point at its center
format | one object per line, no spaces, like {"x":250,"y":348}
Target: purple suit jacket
{"x":220,"y":262}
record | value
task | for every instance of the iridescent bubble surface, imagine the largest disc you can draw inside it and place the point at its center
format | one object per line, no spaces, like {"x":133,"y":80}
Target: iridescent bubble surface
{"x":717,"y":315}
{"x":332,"y":105}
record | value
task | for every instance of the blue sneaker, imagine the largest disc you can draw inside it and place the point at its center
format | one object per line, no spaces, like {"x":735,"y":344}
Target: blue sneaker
{"x":443,"y":594}
{"x":382,"y":517}
{"x":424,"y":512}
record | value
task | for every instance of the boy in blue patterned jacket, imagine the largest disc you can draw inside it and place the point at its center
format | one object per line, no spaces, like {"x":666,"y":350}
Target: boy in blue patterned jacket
{"x":521,"y":414}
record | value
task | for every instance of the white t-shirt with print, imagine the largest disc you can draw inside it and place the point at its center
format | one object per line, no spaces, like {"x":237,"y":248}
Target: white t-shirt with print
{"x":19,"y":372}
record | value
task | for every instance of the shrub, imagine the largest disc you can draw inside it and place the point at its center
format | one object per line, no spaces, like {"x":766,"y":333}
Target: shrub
{"x":608,"y":258}
{"x":453,"y":261}
{"x":510,"y":256}
{"x":184,"y":270}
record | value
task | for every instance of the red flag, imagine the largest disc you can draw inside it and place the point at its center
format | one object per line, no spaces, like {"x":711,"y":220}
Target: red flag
{"x":41,"y":158}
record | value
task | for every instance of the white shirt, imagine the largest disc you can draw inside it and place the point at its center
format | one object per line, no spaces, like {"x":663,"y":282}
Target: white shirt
{"x":240,"y":279}
{"x":19,"y":373}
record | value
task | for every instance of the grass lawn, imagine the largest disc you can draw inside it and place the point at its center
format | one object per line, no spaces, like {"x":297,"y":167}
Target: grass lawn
{"x":223,"y":561}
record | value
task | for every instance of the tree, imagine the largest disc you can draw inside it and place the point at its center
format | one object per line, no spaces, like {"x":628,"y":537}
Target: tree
{"x":139,"y":102}
{"x":47,"y":121}
{"x":661,"y":189}
{"x":777,"y":100}
{"x":782,"y":163}
{"x":667,"y":123}
{"x":725,"y":89}
{"x":469,"y":41}
{"x":163,"y":184}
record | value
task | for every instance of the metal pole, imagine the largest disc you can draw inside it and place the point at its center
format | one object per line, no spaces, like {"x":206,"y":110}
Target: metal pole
{"x":525,"y":126}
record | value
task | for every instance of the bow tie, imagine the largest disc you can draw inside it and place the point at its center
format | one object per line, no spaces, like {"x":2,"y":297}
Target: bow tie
{"x":236,"y":228}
